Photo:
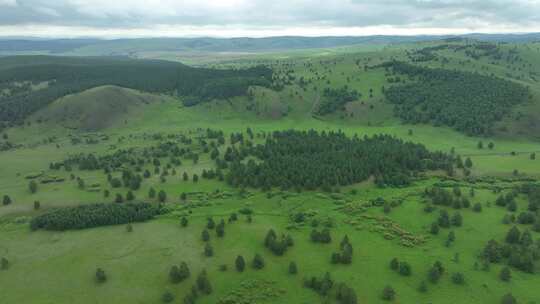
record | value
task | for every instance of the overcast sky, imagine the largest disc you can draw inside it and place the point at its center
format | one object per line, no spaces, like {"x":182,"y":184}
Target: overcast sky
{"x":256,"y":18}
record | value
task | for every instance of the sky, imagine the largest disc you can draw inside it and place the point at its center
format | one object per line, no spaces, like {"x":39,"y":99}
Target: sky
{"x":262,"y":18}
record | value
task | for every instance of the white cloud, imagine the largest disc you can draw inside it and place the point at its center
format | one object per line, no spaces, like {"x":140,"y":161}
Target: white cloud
{"x":231,"y":17}
{"x":8,"y":2}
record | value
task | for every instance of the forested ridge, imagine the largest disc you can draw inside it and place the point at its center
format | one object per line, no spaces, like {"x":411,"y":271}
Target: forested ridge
{"x":308,"y":159}
{"x":71,"y":76}
{"x":468,"y":102}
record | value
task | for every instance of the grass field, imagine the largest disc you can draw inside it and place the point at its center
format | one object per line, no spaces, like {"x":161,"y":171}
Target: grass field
{"x":59,"y":267}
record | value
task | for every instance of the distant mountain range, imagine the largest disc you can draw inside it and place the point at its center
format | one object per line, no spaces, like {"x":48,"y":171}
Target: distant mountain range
{"x":129,"y":46}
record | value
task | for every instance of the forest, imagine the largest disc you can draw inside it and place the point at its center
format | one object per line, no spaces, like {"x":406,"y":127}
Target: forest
{"x":468,"y":102}
{"x":311,"y":160}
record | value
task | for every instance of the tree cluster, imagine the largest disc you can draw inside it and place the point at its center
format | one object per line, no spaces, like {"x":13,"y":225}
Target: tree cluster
{"x":311,"y":160}
{"x":95,"y":215}
{"x":469,"y":102}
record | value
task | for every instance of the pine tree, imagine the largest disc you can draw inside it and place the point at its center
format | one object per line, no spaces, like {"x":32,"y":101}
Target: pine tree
{"x":404,"y":269}
{"x":101,"y":277}
{"x":152,"y":193}
{"x":468,"y":163}
{"x":4,"y":264}
{"x":220,"y":229}
{"x":394,"y":264}
{"x":258,"y":262}
{"x":167,"y":297}
{"x":458,"y":278}
{"x":162,"y":196}
{"x":174,"y":275}
{"x":513,"y":236}
{"x":292,"y":268}
{"x":205,"y":235}
{"x":508,"y":299}
{"x":6,"y":200}
{"x":183,"y":221}
{"x":118,"y":198}
{"x":208,"y":250}
{"x":32,"y":186}
{"x":505,"y":274}
{"x":423,"y":287}
{"x":240,"y":263}
{"x":130,"y":196}
{"x":388,"y":293}
{"x":203,"y":284}
{"x":210,"y":224}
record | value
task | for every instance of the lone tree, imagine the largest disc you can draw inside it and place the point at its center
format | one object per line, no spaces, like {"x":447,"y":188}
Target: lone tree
{"x":258,"y":262}
{"x":405,"y":269}
{"x":101,"y":277}
{"x":292,"y":268}
{"x":240,"y":263}
{"x":32,"y":186}
{"x":37,"y":205}
{"x":6,"y":200}
{"x":183,"y":221}
{"x":208,"y":250}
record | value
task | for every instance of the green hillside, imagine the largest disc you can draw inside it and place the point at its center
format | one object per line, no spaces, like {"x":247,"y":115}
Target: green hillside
{"x":96,"y":109}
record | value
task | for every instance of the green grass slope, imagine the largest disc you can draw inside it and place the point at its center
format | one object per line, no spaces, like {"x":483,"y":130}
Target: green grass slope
{"x":96,"y":109}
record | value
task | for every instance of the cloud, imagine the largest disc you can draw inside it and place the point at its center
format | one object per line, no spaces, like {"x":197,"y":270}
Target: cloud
{"x":8,"y":2}
{"x":264,"y":15}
